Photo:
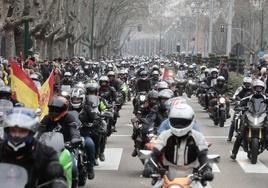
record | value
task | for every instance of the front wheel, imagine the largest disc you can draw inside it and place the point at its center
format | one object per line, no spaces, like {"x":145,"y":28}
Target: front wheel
{"x":222,"y":118}
{"x":255,"y":144}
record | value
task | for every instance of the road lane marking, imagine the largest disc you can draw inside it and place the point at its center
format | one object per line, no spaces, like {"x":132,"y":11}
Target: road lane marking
{"x":215,"y":168}
{"x":210,"y":137}
{"x":120,"y":135}
{"x":112,"y":159}
{"x":129,"y":125}
{"x":208,"y":185}
{"x":246,"y":165}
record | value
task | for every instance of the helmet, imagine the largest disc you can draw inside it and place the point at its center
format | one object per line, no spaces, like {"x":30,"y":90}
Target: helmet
{"x":144,"y":75}
{"x":58,"y":107}
{"x":165,"y":94}
{"x":35,"y":77}
{"x":67,"y":74}
{"x":247,"y":81}
{"x":152,"y":95}
{"x":181,"y":119}
{"x":162,"y":85}
{"x":155,"y":72}
{"x":92,"y":86}
{"x":258,"y":86}
{"x":214,"y":72}
{"x":220,"y":80}
{"x":155,"y":67}
{"x":111,"y":73}
{"x":203,"y":68}
{"x":263,"y":70}
{"x":191,"y":67}
{"x":24,"y":119}
{"x":78,"y":97}
{"x":104,"y":81}
{"x":5,"y":92}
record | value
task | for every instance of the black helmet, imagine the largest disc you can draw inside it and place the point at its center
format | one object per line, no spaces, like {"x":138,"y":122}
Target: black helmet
{"x":58,"y":107}
{"x":144,"y":75}
{"x":5,"y":92}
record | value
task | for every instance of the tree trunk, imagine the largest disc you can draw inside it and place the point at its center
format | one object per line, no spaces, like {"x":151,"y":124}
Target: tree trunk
{"x":19,"y":41}
{"x":50,"y":49}
{"x":70,"y":50}
{"x":10,"y":43}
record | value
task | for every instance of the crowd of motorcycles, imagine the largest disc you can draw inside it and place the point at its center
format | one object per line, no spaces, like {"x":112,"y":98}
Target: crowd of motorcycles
{"x":101,"y":89}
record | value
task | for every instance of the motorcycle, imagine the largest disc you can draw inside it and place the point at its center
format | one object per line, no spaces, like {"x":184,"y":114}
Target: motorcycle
{"x":181,"y":86}
{"x":161,"y":180}
{"x":80,"y":158}
{"x":142,"y":135}
{"x":56,"y":141}
{"x":17,"y":177}
{"x":253,"y":128}
{"x":190,"y":87}
{"x":140,"y":102}
{"x":219,"y":111}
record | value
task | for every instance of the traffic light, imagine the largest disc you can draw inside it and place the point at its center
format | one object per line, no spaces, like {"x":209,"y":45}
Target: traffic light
{"x":139,"y":28}
{"x":222,"y":28}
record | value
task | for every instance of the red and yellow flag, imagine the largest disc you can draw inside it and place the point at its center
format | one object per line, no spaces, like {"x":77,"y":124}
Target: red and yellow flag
{"x":23,"y":87}
{"x":46,"y":93}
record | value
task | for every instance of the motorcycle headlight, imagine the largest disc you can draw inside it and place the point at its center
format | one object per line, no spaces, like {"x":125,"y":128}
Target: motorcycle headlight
{"x":64,"y":93}
{"x":222,"y":100}
{"x":190,"y":82}
{"x":142,"y":98}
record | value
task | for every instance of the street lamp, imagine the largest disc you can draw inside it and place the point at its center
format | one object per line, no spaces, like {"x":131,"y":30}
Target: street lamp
{"x":259,"y":5}
{"x":92,"y":30}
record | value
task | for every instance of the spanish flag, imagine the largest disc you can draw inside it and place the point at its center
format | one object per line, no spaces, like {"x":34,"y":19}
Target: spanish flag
{"x":23,"y":87}
{"x":46,"y":93}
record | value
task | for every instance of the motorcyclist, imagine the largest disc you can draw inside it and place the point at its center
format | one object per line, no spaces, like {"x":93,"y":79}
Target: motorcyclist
{"x":161,"y":86}
{"x":191,"y":146}
{"x":113,"y":82}
{"x":109,"y":94}
{"x":6,"y":94}
{"x":220,"y":89}
{"x":158,"y":113}
{"x":258,"y":90}
{"x":154,"y":77}
{"x":190,"y":72}
{"x":67,"y":79}
{"x":58,"y":115}
{"x":212,"y":80}
{"x":91,"y":114}
{"x":22,"y":149}
{"x":143,"y":83}
{"x":241,"y":92}
{"x":78,"y":100}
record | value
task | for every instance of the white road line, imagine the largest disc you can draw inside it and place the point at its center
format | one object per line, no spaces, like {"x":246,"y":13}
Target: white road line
{"x":129,"y":125}
{"x":120,"y":135}
{"x":215,"y":168}
{"x":246,"y":165}
{"x":211,"y":137}
{"x":112,"y":159}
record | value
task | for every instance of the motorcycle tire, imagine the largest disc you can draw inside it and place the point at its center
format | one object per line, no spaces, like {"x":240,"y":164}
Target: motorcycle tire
{"x":255,"y":144}
{"x":82,"y":179}
{"x":222,"y":118}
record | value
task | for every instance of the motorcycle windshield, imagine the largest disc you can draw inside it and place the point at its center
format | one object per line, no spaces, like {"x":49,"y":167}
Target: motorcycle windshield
{"x":12,"y":176}
{"x":54,"y":140}
{"x":257,"y":106}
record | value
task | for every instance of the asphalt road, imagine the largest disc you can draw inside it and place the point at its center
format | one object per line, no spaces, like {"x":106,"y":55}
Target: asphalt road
{"x":120,"y":170}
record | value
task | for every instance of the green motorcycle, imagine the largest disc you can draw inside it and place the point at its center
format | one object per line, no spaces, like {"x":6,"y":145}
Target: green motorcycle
{"x":55,"y":140}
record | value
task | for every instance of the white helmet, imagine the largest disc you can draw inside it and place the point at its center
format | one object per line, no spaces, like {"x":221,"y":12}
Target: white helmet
{"x":247,"y":81}
{"x":78,"y":97}
{"x":181,"y":118}
{"x":258,"y":86}
{"x":263,"y":70}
